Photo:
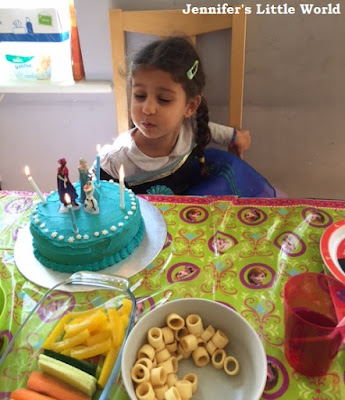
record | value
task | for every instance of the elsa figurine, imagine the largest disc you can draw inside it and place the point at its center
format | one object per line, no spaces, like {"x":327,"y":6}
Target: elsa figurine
{"x":84,"y":176}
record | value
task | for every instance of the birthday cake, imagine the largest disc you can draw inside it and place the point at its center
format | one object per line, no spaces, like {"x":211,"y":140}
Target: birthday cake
{"x":100,"y":240}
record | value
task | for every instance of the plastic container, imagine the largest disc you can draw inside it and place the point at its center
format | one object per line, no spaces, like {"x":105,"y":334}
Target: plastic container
{"x":312,"y":334}
{"x":35,"y":41}
{"x":20,"y":358}
{"x":36,"y":62}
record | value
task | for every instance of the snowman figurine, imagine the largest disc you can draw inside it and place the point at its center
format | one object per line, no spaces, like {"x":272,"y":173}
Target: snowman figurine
{"x":90,"y":203}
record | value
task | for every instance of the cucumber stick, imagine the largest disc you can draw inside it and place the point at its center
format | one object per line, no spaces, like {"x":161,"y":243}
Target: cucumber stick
{"x":68,"y":374}
{"x":80,"y":364}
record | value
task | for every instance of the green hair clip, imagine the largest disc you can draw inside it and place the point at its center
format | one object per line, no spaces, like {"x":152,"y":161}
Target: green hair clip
{"x":193,"y":70}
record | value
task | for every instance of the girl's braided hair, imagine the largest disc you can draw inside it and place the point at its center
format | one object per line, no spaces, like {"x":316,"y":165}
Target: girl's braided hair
{"x":177,"y":55}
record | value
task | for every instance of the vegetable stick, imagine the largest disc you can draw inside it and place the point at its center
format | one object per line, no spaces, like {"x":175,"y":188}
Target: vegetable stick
{"x":117,"y":326}
{"x":126,"y":307}
{"x":67,"y":373}
{"x":71,"y":342}
{"x":48,"y":385}
{"x":108,"y":365}
{"x":98,"y":337}
{"x":83,"y":314}
{"x":91,"y":322}
{"x":56,"y":332}
{"x":27,"y":394}
{"x":92,"y":351}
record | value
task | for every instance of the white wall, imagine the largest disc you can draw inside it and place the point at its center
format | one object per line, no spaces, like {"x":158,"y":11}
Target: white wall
{"x":294,"y":101}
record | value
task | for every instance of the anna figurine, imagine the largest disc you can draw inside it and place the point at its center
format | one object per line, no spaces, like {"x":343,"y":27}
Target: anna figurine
{"x":64,"y":184}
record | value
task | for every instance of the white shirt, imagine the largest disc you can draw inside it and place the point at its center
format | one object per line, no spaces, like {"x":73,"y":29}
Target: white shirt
{"x":137,"y":164}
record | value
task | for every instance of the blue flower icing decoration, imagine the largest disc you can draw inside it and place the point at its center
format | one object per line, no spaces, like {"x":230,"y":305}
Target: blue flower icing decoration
{"x":160,"y":189}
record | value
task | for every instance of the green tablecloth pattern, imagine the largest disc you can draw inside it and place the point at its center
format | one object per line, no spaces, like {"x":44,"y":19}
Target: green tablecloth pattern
{"x":212,"y":247}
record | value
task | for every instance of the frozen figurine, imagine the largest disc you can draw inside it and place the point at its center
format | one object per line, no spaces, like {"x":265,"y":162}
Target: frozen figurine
{"x":90,"y":203}
{"x":84,"y":176}
{"x":65,"y":186}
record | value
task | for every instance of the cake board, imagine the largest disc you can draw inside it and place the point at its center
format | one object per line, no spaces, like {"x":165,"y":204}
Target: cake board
{"x":152,"y":243}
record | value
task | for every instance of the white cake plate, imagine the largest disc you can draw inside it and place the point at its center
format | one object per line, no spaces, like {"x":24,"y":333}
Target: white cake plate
{"x":152,"y":243}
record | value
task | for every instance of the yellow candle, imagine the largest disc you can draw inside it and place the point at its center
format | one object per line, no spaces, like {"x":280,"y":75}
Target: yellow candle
{"x":34,"y":185}
{"x":122,"y":187}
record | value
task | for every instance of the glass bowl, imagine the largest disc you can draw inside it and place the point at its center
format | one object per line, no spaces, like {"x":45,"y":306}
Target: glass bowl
{"x":20,"y":357}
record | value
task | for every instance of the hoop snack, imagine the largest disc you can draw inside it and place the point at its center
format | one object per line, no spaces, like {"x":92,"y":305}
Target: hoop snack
{"x":218,"y":358}
{"x":185,"y":389}
{"x":231,"y":360}
{"x":145,"y":391}
{"x":146,"y":351}
{"x":220,"y":339}
{"x":140,"y":373}
{"x":175,"y":322}
{"x":155,"y":338}
{"x":146,"y":362}
{"x":194,"y":324}
{"x":158,"y":376}
{"x":201,"y":357}
{"x":193,"y":379}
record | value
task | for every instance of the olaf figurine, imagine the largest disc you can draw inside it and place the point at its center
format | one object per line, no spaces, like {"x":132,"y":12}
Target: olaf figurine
{"x":90,"y":203}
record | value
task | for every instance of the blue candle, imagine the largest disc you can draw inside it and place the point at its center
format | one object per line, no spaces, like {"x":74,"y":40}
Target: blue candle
{"x":98,"y":167}
{"x":71,"y":213}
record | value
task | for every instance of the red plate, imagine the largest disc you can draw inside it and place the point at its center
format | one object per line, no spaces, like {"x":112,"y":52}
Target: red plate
{"x":332,"y":248}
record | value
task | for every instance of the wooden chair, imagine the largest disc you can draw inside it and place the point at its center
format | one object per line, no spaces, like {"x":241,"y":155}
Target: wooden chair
{"x":168,"y":23}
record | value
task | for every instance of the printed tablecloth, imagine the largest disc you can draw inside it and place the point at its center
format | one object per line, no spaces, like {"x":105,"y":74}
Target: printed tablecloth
{"x":236,"y":251}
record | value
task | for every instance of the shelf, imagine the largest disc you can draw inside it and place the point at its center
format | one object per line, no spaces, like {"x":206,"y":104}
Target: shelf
{"x":75,"y":88}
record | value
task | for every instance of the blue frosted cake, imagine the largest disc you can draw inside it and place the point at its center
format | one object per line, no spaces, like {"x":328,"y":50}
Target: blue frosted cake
{"x":102,"y":239}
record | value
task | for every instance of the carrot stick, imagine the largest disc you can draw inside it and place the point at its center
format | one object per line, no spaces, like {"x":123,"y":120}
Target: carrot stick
{"x":52,"y":386}
{"x":26,"y":394}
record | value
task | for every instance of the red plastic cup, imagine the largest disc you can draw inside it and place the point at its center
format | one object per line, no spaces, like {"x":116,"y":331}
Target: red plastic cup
{"x":312,"y":337}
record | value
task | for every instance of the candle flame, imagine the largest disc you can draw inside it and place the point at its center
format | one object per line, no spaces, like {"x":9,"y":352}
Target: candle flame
{"x":67,"y":198}
{"x":98,"y":148}
{"x":121,"y":172}
{"x":27,"y":171}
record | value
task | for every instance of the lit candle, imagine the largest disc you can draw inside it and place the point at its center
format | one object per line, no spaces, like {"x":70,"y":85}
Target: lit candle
{"x":34,"y":186}
{"x":98,"y":166}
{"x":71,"y":213}
{"x":122,"y":187}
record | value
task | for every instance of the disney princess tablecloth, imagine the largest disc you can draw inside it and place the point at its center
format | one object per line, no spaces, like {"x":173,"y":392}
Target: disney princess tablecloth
{"x":239,"y":252}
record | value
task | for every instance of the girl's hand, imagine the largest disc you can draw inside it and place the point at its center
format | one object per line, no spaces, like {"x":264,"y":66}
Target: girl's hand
{"x":241,"y":144}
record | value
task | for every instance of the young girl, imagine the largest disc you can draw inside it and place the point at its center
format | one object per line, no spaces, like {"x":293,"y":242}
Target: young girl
{"x":164,"y":153}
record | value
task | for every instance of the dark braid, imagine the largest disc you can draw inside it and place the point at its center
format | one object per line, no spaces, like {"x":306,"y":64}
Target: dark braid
{"x":177,"y":55}
{"x":203,"y":134}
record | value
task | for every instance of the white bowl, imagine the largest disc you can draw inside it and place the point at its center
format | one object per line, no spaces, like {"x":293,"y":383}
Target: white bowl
{"x":244,"y":345}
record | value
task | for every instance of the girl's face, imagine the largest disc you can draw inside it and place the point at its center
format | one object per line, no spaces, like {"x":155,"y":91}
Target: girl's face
{"x":193,"y":215}
{"x":251,"y":215}
{"x":288,"y":244}
{"x":257,"y":277}
{"x":159,"y":105}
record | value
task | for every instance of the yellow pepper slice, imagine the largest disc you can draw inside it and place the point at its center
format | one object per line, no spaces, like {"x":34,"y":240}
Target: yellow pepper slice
{"x":71,"y":342}
{"x":84,"y":314}
{"x":56,"y":332}
{"x":117,"y":326}
{"x":92,"y":351}
{"x":91,"y":322}
{"x":108,"y":365}
{"x":126,"y":307}
{"x":125,"y":320}
{"x":98,"y":337}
